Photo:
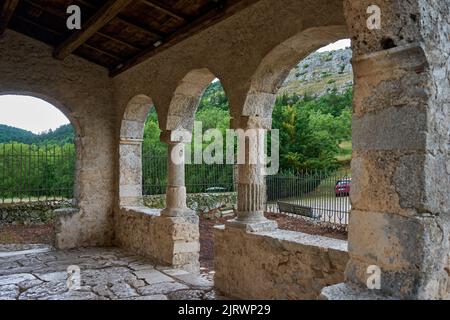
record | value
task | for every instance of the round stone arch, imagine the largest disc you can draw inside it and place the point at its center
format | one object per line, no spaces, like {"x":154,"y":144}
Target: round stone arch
{"x":130,"y":150}
{"x":275,"y":67}
{"x":184,"y":103}
{"x":68,"y":113}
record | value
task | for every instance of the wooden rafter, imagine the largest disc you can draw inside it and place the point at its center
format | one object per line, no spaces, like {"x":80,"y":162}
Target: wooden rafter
{"x":163,"y":8}
{"x":127,"y":21}
{"x":61,"y":15}
{"x":6,"y":12}
{"x":110,"y":10}
{"x":212,"y":17}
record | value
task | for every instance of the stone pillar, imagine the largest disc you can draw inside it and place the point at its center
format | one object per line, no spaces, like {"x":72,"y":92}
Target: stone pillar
{"x":251,"y":185}
{"x":176,"y":189}
{"x":130,"y":180}
{"x":401,"y":161}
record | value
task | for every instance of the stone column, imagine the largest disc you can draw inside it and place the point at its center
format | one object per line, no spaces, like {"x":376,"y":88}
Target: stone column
{"x":176,"y":189}
{"x":399,"y":224}
{"x":251,"y":185}
{"x":130,"y":180}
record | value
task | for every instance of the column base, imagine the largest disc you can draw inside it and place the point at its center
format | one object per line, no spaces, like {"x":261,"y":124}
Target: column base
{"x":252,"y":226}
{"x":179,"y":212}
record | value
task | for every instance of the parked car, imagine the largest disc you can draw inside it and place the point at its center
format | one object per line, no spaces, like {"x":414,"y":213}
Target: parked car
{"x":342,"y":188}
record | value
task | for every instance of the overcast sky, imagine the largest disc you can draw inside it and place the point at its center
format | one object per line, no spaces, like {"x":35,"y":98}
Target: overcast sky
{"x":36,"y":115}
{"x":341,"y":44}
{"x":30,"y":113}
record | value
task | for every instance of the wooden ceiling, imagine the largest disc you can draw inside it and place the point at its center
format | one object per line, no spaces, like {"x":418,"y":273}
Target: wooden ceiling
{"x":116,"y":34}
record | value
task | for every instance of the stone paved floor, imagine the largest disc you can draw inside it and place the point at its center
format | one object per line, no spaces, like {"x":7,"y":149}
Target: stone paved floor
{"x":106,"y":273}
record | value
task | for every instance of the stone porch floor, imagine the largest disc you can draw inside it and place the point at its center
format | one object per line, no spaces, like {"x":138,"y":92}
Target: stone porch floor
{"x":106,"y":274}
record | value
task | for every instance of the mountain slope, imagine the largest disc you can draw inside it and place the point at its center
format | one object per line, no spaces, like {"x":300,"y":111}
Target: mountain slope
{"x":61,"y":135}
{"x":8,"y":134}
{"x":319,"y":73}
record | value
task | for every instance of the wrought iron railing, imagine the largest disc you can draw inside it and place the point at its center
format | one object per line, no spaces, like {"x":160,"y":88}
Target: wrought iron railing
{"x":199,"y":178}
{"x":31,"y":173}
{"x":319,"y":196}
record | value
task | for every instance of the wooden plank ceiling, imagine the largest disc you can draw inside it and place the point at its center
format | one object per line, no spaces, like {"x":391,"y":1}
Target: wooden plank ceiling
{"x":116,"y":34}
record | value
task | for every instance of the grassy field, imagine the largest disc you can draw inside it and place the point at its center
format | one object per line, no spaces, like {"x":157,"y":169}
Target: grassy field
{"x":345,"y":154}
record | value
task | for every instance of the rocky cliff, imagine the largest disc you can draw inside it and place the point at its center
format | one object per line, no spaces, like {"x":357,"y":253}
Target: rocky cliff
{"x":321,"y":72}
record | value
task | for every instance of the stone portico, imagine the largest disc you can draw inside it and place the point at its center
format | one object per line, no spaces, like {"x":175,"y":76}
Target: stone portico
{"x":400,"y":215}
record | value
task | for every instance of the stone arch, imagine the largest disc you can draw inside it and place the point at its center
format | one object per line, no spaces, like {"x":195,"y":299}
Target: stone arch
{"x":130,"y":150}
{"x":67,"y":111}
{"x":277,"y":64}
{"x":186,"y":99}
{"x":133,"y":120}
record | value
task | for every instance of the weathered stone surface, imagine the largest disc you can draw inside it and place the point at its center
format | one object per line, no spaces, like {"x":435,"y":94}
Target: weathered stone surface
{"x":16,"y":278}
{"x":162,"y":288}
{"x":9,"y":292}
{"x":343,"y":291}
{"x":400,"y":218}
{"x":187,"y":295}
{"x":152,"y":276}
{"x":276,"y":265}
{"x":83,"y":92}
{"x":172,"y":241}
{"x":111,"y":274}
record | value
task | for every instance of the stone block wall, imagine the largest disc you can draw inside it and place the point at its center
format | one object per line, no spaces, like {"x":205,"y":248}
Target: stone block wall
{"x":84,"y":93}
{"x":170,"y":241}
{"x":198,"y":202}
{"x":277,"y":264}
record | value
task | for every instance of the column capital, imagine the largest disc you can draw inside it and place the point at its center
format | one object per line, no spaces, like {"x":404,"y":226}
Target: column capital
{"x":252,"y":122}
{"x":176,"y":136}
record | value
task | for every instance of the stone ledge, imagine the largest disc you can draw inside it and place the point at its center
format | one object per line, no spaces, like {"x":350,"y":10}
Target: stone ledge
{"x":300,"y":238}
{"x":142,"y":210}
{"x":306,"y":239}
{"x":277,"y":264}
{"x":168,"y":241}
{"x":343,"y":291}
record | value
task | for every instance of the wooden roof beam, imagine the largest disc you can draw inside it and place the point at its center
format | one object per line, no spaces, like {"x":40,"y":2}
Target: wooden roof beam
{"x":6,"y":13}
{"x":169,"y":11}
{"x":222,"y":12}
{"x":110,"y":10}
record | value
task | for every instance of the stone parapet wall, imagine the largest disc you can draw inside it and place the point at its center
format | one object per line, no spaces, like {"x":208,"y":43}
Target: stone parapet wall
{"x":171,"y":241}
{"x":277,"y":264}
{"x":198,"y":202}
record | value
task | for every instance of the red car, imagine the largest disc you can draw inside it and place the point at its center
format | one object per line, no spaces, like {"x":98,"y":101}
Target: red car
{"x":342,"y":188}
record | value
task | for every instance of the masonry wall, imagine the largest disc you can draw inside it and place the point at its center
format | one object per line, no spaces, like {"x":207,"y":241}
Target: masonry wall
{"x":276,"y":265}
{"x":170,"y":241}
{"x":83,"y":91}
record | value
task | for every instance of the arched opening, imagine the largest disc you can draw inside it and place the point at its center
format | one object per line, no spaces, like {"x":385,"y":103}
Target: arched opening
{"x":199,"y":105}
{"x":38,"y":168}
{"x":210,"y":180}
{"x":305,"y":86}
{"x":132,"y":131}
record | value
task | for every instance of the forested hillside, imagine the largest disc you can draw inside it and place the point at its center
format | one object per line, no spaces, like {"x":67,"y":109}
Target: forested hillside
{"x":60,"y":136}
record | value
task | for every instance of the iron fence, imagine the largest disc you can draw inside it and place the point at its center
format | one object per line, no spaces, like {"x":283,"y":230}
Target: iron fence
{"x":319,"y":196}
{"x":31,"y":173}
{"x":199,"y":178}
